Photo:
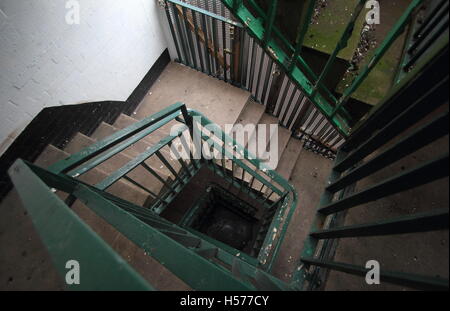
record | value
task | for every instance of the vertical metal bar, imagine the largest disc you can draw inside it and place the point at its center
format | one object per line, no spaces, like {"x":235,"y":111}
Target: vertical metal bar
{"x":190,"y":40}
{"x":152,"y":171}
{"x":180,"y":160}
{"x":341,"y":44}
{"x":176,"y":16}
{"x":305,"y":111}
{"x":308,"y":123}
{"x":212,"y":55}
{"x":242,"y":180}
{"x":154,"y":195}
{"x":391,"y":37}
{"x":224,"y":39}
{"x":283,"y":98}
{"x":211,"y":150}
{"x":241,"y":57}
{"x":172,"y":31}
{"x":232,"y":171}
{"x":301,"y":99}
{"x":302,"y":34}
{"x":266,"y":80}
{"x":252,"y":66}
{"x":236,"y":48}
{"x":294,"y":91}
{"x":269,"y":22}
{"x":275,"y":89}
{"x":189,"y":150}
{"x":232,"y":77}
{"x":169,"y":167}
{"x":215,"y":44}
{"x":258,"y":81}
{"x":194,"y":19}
{"x":251,"y":184}
{"x":205,"y":35}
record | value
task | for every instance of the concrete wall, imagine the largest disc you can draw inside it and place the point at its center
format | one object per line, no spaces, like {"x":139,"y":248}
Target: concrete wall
{"x":44,"y":61}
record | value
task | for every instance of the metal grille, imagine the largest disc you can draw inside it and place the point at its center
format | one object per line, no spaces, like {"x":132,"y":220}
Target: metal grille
{"x":218,"y":46}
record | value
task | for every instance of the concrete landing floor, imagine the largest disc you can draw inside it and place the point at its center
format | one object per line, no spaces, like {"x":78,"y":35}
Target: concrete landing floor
{"x":309,"y":177}
{"x":217,"y":100}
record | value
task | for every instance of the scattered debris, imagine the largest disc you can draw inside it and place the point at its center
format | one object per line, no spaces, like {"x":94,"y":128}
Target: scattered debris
{"x":320,"y":5}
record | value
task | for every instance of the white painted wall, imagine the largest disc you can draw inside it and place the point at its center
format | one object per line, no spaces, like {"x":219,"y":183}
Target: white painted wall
{"x":46,"y":62}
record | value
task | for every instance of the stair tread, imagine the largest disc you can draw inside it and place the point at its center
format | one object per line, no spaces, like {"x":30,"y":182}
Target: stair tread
{"x":124,"y":121}
{"x":139,"y":174}
{"x":289,"y":158}
{"x":250,"y":115}
{"x":24,"y":258}
{"x":140,"y":146}
{"x":80,"y":141}
{"x":122,"y":189}
{"x":283,"y":137}
{"x":221,"y":102}
{"x":308,"y":177}
{"x":150,"y":269}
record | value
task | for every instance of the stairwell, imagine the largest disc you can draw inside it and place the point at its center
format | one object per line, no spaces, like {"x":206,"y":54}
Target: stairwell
{"x":223,"y":104}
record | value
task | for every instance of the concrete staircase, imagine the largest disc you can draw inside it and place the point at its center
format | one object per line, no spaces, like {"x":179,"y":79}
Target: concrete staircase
{"x":24,"y":262}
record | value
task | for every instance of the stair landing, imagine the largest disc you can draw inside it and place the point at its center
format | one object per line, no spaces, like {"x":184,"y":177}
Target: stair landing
{"x":217,"y":100}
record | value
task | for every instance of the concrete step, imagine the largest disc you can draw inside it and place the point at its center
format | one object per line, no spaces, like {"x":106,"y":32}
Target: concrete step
{"x":81,"y":141}
{"x":289,"y":157}
{"x":124,"y":121}
{"x":283,"y":135}
{"x":24,"y":261}
{"x":221,"y":102}
{"x":139,"y":174}
{"x":308,"y":177}
{"x":250,"y":115}
{"x":104,"y":130}
{"x":122,"y":189}
{"x":150,"y":269}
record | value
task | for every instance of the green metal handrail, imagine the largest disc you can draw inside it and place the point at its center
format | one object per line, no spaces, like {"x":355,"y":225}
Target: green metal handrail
{"x":288,"y":195}
{"x":138,"y":223}
{"x":414,"y":116}
{"x":262,"y":26}
{"x":256,"y":27}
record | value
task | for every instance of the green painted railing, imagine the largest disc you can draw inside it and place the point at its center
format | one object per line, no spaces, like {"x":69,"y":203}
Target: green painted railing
{"x":251,"y":52}
{"x":42,"y":190}
{"x":289,"y":58}
{"x":413,"y":117}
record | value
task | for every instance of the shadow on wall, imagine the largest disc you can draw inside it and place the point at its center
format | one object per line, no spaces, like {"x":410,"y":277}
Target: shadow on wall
{"x":57,"y":125}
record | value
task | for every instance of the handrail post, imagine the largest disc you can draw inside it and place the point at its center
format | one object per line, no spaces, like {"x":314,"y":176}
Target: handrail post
{"x":341,"y":44}
{"x":302,"y":34}
{"x":269,"y":22}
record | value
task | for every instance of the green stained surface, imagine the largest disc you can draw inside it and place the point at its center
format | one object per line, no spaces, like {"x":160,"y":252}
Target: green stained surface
{"x":326,"y":32}
{"x":328,"y":28}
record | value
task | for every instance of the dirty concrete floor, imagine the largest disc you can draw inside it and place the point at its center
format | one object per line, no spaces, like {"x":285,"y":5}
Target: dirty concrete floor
{"x":216,"y":99}
{"x":418,"y":253}
{"x":309,"y":177}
